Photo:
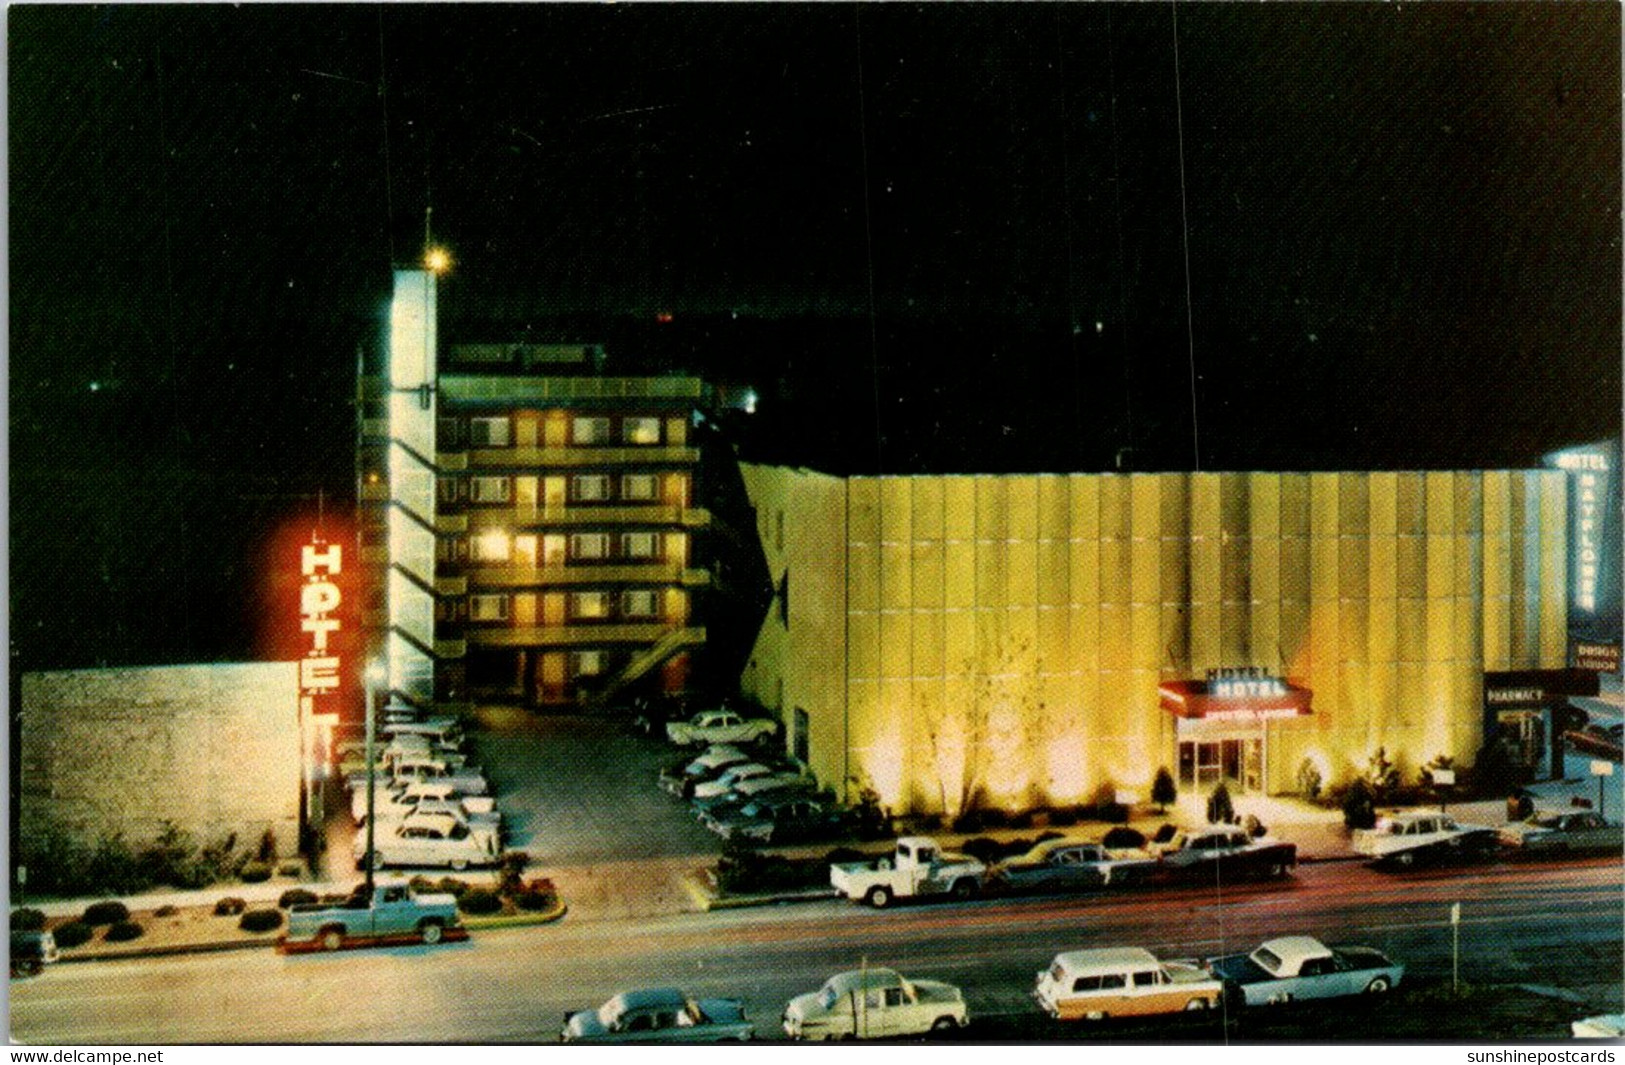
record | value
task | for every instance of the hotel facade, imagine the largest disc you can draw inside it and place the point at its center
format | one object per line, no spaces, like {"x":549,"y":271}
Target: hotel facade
{"x":1025,"y":641}
{"x":527,"y":519}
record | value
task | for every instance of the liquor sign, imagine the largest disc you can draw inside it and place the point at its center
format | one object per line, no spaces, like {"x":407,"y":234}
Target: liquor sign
{"x":320,"y":564}
{"x":1599,"y":657}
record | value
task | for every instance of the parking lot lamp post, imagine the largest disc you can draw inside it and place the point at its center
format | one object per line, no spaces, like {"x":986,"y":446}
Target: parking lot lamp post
{"x":375,"y":685}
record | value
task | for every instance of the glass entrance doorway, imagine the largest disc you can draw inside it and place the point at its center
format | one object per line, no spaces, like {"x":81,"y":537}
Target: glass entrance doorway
{"x":1238,"y":761}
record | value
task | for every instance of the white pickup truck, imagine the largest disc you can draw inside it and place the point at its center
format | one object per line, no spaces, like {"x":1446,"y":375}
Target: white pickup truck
{"x":916,"y":868}
{"x":391,"y":910}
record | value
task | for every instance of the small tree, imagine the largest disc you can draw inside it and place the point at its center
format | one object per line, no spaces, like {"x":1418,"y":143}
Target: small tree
{"x":1163,"y":790}
{"x":1309,"y":780}
{"x":1381,"y":775}
{"x":1220,"y":810}
{"x":1359,"y":807}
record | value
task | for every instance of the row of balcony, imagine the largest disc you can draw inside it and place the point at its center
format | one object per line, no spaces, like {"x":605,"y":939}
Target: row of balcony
{"x":572,"y":635}
{"x":508,"y":458}
{"x":555,"y":576}
{"x":515,"y":517}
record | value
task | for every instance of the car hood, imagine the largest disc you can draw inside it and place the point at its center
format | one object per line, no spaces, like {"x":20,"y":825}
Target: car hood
{"x":722,"y":1010}
{"x":805,"y":1007}
{"x":584,"y":1024}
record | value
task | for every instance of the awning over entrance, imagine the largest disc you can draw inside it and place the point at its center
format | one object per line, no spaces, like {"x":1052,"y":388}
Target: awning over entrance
{"x":1235,"y":695}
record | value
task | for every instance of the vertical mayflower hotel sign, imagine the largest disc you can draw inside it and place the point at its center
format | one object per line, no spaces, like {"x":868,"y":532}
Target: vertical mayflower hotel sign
{"x":320,"y":564}
{"x":1594,"y":554}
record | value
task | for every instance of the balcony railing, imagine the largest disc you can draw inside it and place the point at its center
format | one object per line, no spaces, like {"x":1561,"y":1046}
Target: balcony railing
{"x":451,"y":523}
{"x":469,"y":388}
{"x":377,"y":492}
{"x":375,"y":429}
{"x":567,"y":635}
{"x":507,"y":458}
{"x":524,"y":516}
{"x":546,"y":576}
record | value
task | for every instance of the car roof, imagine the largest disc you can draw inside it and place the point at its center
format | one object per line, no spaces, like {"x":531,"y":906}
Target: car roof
{"x":651,"y":998}
{"x":442,"y":821}
{"x":862,"y":979}
{"x":1107,"y":958}
{"x":1287,"y":947}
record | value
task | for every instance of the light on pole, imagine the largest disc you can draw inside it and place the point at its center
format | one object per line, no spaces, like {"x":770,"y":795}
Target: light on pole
{"x":377,"y":682}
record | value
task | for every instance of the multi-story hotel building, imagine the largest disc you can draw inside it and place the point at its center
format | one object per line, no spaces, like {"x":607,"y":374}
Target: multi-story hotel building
{"x":527,"y":517}
{"x":1021,"y":641}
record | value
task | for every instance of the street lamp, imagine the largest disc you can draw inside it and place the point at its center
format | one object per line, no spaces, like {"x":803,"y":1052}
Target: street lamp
{"x":437,"y":260}
{"x":377,"y":682}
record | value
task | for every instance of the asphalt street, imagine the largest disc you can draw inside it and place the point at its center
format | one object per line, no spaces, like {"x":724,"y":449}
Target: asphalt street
{"x":1536,"y":923}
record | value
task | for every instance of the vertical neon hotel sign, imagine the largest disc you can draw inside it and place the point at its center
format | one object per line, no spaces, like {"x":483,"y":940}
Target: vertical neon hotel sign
{"x":1588,"y":468}
{"x":319,"y":599}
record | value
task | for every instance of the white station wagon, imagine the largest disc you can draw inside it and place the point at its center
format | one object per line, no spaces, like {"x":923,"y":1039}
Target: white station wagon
{"x":430,"y":839}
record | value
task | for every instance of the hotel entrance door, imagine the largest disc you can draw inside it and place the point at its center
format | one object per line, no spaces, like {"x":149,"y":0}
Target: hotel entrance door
{"x":1237,"y":761}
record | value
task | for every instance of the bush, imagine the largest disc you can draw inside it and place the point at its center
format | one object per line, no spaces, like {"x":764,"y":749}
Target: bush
{"x":295,"y":897}
{"x":969,"y":821}
{"x":123,"y":932}
{"x":1220,"y":810}
{"x":107,"y":912}
{"x":537,"y":896}
{"x":1113,"y":813}
{"x":450,"y":885}
{"x":1359,"y":805}
{"x":1253,"y":826}
{"x":480,"y":902}
{"x":27,"y":920}
{"x":1123,"y":838}
{"x":1065,"y":815}
{"x":267,"y":852}
{"x":1023,"y":819}
{"x":290,"y":869}
{"x":113,"y":869}
{"x":1309,"y":781}
{"x":1165,"y":833}
{"x":165,"y":911}
{"x":510,"y":879}
{"x":1163,"y":789}
{"x":229,"y":907}
{"x":983,"y":849}
{"x":255,"y":872}
{"x":745,"y":872}
{"x":73,"y":934}
{"x":260,"y":920}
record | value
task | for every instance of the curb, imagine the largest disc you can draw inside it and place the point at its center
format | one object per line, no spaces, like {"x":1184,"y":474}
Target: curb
{"x":219,"y":946}
{"x":705,"y":900}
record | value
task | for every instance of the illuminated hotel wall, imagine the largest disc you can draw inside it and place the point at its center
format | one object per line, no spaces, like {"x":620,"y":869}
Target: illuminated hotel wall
{"x":1011,"y":631}
{"x":411,"y":516}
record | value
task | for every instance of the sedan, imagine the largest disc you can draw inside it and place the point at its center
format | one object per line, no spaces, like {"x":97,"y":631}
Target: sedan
{"x":659,"y":1015}
{"x":780,"y":821}
{"x":1560,"y":833}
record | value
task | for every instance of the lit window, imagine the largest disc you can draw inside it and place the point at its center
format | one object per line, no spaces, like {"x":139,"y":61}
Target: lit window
{"x":638,"y":603}
{"x":638,"y":487}
{"x":488,"y":432}
{"x":589,"y":487}
{"x":489,"y":490}
{"x":491,"y":546}
{"x":588,"y":663}
{"x":589,"y":605}
{"x":589,"y":545}
{"x":639,"y":545}
{"x":553,"y":549}
{"x":589,"y":430}
{"x":641,"y":430}
{"x":488,"y":608}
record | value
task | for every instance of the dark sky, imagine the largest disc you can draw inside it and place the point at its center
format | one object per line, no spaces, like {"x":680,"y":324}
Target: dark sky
{"x":959,"y":230}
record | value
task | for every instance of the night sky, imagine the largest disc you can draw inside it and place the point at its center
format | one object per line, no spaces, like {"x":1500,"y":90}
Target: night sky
{"x":941,"y":237}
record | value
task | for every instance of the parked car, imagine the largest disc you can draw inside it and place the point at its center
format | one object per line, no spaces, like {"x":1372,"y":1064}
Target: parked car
{"x":780,"y":821}
{"x":779,"y":784}
{"x":917,"y":867}
{"x":392,"y":909}
{"x":1073,"y":865}
{"x":874,"y":1004}
{"x":1559,"y":833}
{"x":1226,"y":852}
{"x":430,"y":839}
{"x":720,"y":726}
{"x":1293,"y":968}
{"x":681,"y":779}
{"x":725,"y":781}
{"x":428,"y":796}
{"x":1603,"y":1026}
{"x":1122,"y":982}
{"x":467,"y":779}
{"x":1407,"y":837}
{"x":1598,"y":739}
{"x":31,"y":952}
{"x":660,"y":1015}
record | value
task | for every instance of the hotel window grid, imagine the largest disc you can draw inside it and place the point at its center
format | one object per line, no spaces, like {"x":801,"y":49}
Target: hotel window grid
{"x":489,"y":490}
{"x":639,"y":487}
{"x":488,"y":432}
{"x":638,"y":603}
{"x":589,"y":430}
{"x":491,"y":547}
{"x":589,"y":487}
{"x":589,"y":606}
{"x":446,"y":489}
{"x":589,"y":546}
{"x":587,"y":663}
{"x":488,"y":608}
{"x":640,"y":430}
{"x":639,"y":545}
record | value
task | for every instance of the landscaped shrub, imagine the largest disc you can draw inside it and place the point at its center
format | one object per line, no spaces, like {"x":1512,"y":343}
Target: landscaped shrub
{"x":107,"y":912}
{"x":1359,"y":805}
{"x":1164,"y":792}
{"x":1124,"y":838}
{"x":983,"y":849}
{"x":450,"y":885}
{"x":745,"y":872}
{"x":73,"y":934}
{"x":1064,"y":815}
{"x":123,"y":932}
{"x":1113,"y":813}
{"x":260,"y":920}
{"x":480,"y":902}
{"x":27,"y":920}
{"x":296,"y":897}
{"x":113,"y":869}
{"x":255,"y":872}
{"x":539,"y":895}
{"x":290,"y":869}
{"x":229,"y":907}
{"x":1165,"y":833}
{"x":969,"y":821}
{"x":1254,"y":827}
{"x":1309,"y":780}
{"x":1220,"y":810}
{"x":165,"y":911}
{"x":510,"y":878}
{"x":1023,"y":819}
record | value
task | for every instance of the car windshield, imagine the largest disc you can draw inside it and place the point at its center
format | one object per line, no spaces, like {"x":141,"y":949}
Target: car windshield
{"x":754,"y":810}
{"x":1268,"y":959}
{"x":828,"y":997}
